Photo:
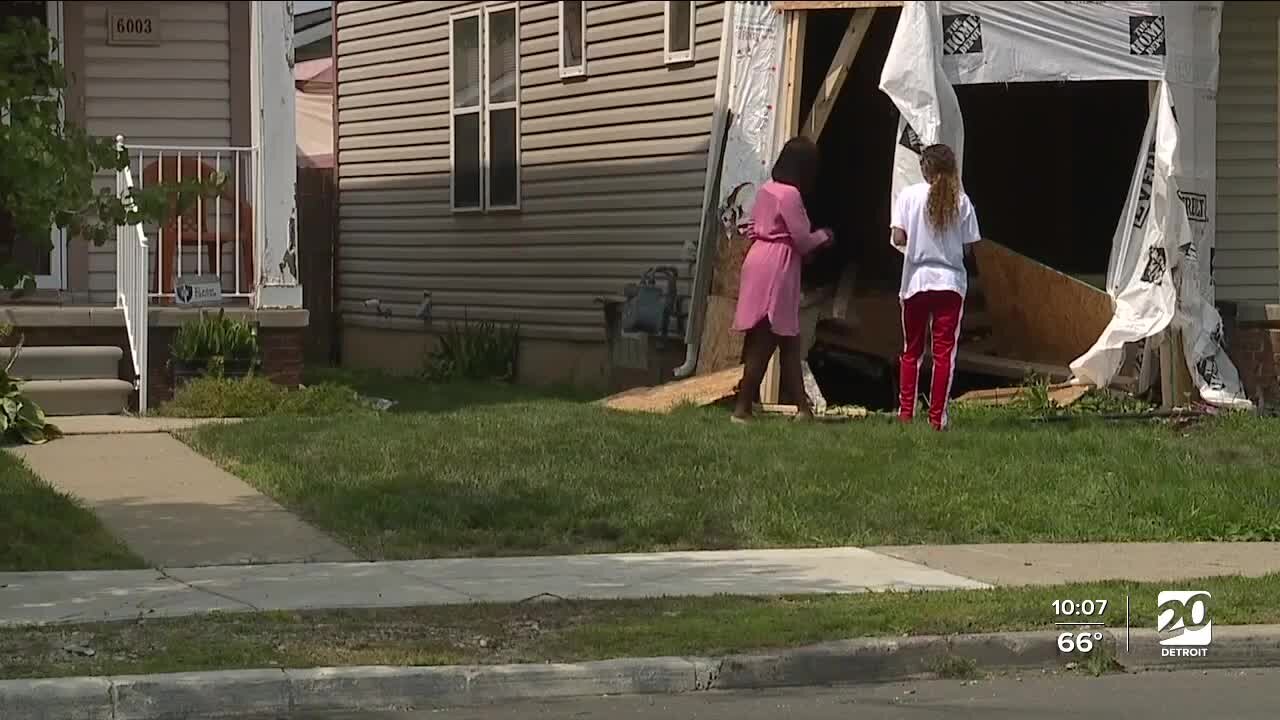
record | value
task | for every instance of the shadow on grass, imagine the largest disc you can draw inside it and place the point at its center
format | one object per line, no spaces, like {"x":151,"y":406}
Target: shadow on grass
{"x":42,"y":528}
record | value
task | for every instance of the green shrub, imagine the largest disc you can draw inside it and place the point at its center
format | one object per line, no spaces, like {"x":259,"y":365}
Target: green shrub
{"x":215,"y":341}
{"x":21,"y":419}
{"x":254,"y":396}
{"x":481,"y":350}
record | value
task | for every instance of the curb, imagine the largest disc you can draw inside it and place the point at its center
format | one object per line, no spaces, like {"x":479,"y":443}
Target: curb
{"x":235,"y":693}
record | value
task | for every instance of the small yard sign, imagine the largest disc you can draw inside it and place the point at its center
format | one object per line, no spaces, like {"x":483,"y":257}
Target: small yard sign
{"x":132,"y":28}
{"x":198,"y":290}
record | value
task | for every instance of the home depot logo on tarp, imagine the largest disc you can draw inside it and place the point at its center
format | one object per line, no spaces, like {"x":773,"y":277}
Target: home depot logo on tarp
{"x":1197,"y":205}
{"x":911,"y":139}
{"x":961,"y":34}
{"x":1143,"y":208}
{"x":1146,"y":35}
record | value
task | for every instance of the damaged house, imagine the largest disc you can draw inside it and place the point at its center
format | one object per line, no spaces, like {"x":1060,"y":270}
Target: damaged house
{"x":1122,"y":157}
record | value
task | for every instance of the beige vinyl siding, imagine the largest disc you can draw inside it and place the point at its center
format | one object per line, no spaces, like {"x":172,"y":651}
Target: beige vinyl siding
{"x":612,"y":167}
{"x":1247,"y":261}
{"x":177,"y":93}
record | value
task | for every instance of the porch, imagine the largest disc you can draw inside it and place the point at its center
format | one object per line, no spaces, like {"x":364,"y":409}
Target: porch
{"x":190,"y":90}
{"x":84,"y":327}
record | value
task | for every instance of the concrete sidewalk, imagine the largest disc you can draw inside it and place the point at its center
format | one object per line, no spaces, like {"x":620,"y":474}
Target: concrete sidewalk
{"x":67,"y":597}
{"x":1054,"y":564}
{"x":168,"y":503}
{"x":56,"y":597}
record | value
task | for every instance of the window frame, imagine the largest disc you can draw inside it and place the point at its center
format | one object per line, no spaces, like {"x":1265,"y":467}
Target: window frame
{"x":488,"y":107}
{"x":579,"y":70}
{"x":484,"y":110}
{"x":672,"y":57}
{"x":455,"y":111}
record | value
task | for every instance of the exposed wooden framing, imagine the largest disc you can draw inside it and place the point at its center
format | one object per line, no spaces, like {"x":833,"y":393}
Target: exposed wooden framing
{"x":841,"y":64}
{"x":794,"y":5}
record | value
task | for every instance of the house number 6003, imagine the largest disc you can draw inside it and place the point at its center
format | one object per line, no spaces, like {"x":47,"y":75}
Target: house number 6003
{"x":133,"y":26}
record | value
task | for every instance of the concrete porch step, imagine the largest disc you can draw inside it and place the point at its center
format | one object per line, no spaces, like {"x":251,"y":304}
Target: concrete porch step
{"x":97,"y":396}
{"x":65,"y":362}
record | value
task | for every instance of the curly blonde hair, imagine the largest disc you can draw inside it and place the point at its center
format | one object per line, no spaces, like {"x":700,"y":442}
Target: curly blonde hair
{"x":938,"y":164}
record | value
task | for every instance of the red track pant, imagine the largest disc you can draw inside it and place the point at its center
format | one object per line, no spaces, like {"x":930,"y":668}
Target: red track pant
{"x":945,"y":309}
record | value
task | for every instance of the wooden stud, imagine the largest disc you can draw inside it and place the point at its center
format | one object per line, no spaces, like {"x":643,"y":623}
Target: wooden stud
{"x":837,"y":73}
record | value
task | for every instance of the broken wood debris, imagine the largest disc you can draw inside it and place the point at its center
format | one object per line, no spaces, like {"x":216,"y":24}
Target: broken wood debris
{"x":1063,"y":394}
{"x":834,"y":413}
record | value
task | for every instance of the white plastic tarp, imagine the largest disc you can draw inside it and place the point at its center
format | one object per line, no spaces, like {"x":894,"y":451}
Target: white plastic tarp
{"x":1158,"y":275}
{"x":753,"y":96}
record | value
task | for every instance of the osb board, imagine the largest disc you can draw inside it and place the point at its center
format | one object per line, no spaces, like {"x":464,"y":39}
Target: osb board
{"x":699,"y":390}
{"x":1038,"y":314}
{"x":720,"y":347}
{"x":731,"y":250}
{"x":872,"y":324}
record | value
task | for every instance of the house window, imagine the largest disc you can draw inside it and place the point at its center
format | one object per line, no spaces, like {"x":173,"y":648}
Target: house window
{"x":485,"y":112}
{"x":678,"y":33}
{"x":573,"y":39}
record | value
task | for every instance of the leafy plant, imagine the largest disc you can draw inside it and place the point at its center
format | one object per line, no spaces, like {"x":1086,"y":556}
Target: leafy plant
{"x":20,"y":417}
{"x":480,"y":350}
{"x":48,"y":166}
{"x":215,"y":341}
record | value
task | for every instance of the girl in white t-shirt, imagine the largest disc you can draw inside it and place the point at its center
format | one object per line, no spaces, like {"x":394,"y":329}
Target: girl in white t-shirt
{"x":932,"y":223}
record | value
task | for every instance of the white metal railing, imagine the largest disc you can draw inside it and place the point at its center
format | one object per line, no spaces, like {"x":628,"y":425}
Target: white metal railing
{"x":131,"y":285}
{"x":216,"y":236}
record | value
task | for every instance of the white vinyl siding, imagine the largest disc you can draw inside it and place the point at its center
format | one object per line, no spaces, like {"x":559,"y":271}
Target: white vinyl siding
{"x":175,"y":93}
{"x":611,"y":168}
{"x":1247,"y":252}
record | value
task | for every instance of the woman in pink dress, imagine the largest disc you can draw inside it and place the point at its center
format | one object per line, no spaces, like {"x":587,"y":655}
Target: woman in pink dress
{"x":769,"y":292}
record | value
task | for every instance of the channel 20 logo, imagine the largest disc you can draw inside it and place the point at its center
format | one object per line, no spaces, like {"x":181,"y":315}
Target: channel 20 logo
{"x":1188,"y":614}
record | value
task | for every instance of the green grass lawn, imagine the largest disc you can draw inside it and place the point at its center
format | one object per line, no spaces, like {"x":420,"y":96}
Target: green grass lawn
{"x":582,"y":631}
{"x":43,"y":529}
{"x":463,"y":470}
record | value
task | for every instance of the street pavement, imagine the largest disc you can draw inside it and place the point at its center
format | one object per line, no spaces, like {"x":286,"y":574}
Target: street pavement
{"x":1196,"y":695}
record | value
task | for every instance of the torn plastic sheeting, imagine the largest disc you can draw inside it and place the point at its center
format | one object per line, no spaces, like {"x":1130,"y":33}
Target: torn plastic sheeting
{"x":758,"y":34}
{"x":1156,"y":276}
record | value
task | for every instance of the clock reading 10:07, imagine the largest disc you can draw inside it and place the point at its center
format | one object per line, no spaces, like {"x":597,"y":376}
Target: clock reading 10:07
{"x":1085,"y":608}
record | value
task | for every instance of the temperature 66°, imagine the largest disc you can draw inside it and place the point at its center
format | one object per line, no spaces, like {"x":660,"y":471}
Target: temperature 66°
{"x":1084,"y":642}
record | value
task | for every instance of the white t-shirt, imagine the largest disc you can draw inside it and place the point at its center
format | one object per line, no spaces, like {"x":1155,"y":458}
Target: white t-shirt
{"x":932,"y":260}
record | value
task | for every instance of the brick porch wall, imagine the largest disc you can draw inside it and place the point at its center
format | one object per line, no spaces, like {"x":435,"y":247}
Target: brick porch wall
{"x":1255,"y":349}
{"x":1253,"y":342}
{"x":281,"y":352}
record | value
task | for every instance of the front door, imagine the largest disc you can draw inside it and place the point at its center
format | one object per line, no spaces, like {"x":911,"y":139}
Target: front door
{"x":31,"y":255}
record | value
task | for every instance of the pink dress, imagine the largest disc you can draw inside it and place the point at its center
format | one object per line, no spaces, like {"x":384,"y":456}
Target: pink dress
{"x":770,"y":280}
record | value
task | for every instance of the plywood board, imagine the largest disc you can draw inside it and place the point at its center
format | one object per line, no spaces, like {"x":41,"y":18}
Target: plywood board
{"x":700,"y":390}
{"x":1038,"y":314}
{"x":720,"y":347}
